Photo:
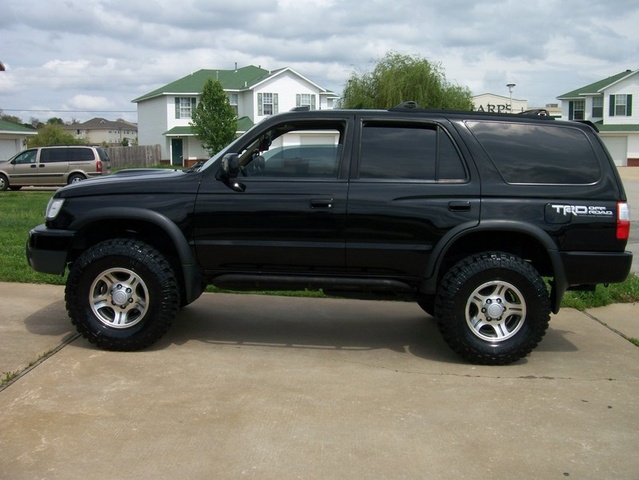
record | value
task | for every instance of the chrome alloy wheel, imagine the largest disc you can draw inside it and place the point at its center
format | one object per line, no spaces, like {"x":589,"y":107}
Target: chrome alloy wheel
{"x":495,"y":311}
{"x":119,"y":298}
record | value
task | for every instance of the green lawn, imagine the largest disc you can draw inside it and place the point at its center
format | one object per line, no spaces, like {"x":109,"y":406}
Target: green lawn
{"x":23,"y":210}
{"x":19,"y":213}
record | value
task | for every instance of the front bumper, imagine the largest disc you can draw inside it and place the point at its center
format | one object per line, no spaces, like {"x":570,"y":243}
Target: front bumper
{"x":48,"y":249}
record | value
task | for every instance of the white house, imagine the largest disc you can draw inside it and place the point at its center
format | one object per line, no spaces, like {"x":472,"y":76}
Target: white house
{"x":164,"y":115}
{"x":608,"y":104}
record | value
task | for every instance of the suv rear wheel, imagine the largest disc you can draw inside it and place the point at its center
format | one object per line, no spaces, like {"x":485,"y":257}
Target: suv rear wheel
{"x":492,"y":308}
{"x":122,"y":295}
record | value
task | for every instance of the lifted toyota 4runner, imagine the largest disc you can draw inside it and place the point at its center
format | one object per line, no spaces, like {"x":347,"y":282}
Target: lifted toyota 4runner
{"x":485,"y":220}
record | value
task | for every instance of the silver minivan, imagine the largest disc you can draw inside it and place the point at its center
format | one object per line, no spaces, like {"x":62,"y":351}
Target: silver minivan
{"x":53,"y":166}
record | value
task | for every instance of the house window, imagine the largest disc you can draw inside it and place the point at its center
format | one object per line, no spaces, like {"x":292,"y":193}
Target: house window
{"x":267,"y":103}
{"x":577,"y":110}
{"x":597,"y":107}
{"x":233,"y":100}
{"x":184,"y":107}
{"x":305,"y":100}
{"x":620,"y":105}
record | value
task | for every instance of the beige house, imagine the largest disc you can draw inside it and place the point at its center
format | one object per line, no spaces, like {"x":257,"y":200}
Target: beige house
{"x":99,"y":131}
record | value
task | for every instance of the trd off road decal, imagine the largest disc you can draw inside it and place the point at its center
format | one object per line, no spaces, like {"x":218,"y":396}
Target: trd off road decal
{"x":564,"y":213}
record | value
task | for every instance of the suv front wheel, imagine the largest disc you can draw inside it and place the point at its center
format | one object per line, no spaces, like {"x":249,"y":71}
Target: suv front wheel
{"x":492,"y":308}
{"x":122,"y":294}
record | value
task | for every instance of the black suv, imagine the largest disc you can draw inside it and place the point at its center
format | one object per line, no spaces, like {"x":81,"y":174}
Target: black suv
{"x":485,"y":220}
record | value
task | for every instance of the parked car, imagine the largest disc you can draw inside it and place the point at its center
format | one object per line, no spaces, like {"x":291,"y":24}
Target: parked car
{"x":53,"y":166}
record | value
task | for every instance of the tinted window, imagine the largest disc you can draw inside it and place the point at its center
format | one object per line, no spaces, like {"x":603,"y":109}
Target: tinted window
{"x":403,"y":151}
{"x":538,"y":153}
{"x":71,"y":154}
{"x":79,"y":154}
{"x":302,"y":160}
{"x":51,"y":155}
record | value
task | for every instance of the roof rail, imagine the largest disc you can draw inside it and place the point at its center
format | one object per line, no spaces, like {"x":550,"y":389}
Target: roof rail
{"x":303,"y":108}
{"x":536,"y":112}
{"x":408,"y":105}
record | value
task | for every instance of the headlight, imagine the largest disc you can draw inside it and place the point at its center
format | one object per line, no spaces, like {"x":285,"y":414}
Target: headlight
{"x":54,"y":207}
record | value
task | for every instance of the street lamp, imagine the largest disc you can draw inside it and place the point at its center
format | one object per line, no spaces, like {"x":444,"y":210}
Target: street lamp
{"x":510,"y":91}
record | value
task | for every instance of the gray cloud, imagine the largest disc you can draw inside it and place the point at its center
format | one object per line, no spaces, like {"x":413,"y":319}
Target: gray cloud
{"x":106,"y":52}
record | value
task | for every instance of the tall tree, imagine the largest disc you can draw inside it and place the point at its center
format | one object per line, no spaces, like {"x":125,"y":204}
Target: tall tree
{"x":214,"y":119}
{"x":397,"y":78}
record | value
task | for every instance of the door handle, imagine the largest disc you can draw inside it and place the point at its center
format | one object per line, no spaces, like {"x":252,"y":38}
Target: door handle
{"x":322,"y":203}
{"x":459,"y":206}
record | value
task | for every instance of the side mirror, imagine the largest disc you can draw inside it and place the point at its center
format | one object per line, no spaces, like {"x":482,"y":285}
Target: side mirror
{"x":230,"y":165}
{"x":230,"y":169}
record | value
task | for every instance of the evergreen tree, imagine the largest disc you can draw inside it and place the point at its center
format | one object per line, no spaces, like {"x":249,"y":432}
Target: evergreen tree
{"x":214,"y":120}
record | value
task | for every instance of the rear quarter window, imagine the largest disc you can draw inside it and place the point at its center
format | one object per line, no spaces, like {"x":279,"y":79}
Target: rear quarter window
{"x":538,"y":154}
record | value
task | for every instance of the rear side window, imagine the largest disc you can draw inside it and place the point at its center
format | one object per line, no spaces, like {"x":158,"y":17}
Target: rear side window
{"x":80,"y":154}
{"x":538,"y":154}
{"x":71,"y":154}
{"x":409,"y":152}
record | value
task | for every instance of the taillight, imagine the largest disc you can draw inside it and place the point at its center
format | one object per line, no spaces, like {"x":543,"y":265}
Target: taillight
{"x":623,"y":221}
{"x":98,"y":166}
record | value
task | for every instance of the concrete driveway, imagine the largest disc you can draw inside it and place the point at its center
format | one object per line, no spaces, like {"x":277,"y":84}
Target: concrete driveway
{"x":284,"y":388}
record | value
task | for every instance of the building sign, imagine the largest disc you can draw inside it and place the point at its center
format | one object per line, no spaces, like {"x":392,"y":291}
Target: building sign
{"x":491,"y":103}
{"x":492,"y":108}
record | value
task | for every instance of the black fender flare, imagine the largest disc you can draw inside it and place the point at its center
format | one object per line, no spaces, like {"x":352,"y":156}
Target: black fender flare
{"x":190,"y":267}
{"x":457,"y":234}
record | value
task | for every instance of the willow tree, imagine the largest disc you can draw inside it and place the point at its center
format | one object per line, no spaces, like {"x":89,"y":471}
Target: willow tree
{"x":214,"y":120}
{"x":397,"y":78}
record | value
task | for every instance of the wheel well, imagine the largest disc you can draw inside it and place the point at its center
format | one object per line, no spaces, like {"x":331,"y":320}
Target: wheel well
{"x":76,"y":174}
{"x":147,"y":232}
{"x":516,"y":243}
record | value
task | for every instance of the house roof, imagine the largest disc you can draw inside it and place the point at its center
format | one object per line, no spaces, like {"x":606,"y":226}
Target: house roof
{"x":596,"y":87}
{"x":193,"y":84}
{"x":10,"y":127}
{"x":98,"y":123}
{"x":239,"y":79}
{"x":616,"y":128}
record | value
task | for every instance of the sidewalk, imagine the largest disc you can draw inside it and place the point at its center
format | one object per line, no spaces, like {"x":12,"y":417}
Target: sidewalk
{"x":282,"y":388}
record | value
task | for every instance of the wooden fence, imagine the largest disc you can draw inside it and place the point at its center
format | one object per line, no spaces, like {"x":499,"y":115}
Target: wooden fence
{"x":134,"y":157}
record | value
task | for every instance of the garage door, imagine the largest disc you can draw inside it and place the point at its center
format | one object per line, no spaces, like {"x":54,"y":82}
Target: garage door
{"x":618,"y":148}
{"x":7,"y":149}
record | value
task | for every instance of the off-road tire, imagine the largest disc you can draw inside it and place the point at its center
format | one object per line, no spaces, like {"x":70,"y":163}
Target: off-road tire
{"x":492,"y":308}
{"x":122,"y":295}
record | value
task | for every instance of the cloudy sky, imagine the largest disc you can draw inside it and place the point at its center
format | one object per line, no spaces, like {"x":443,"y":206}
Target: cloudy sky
{"x":78,"y":59}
